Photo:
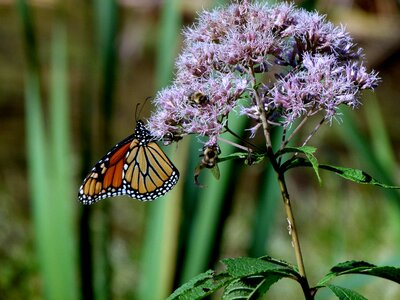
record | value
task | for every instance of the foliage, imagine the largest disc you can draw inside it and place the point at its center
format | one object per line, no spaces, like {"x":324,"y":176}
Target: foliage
{"x":250,"y":278}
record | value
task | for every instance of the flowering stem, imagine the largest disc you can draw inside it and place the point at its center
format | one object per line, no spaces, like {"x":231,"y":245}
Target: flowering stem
{"x":294,"y":132}
{"x":291,"y":226}
{"x":235,"y":144}
{"x":284,"y":192}
{"x":314,"y":131}
{"x":263,"y":115}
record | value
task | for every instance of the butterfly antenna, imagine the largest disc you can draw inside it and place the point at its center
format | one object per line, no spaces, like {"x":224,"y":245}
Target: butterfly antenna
{"x":138,"y":111}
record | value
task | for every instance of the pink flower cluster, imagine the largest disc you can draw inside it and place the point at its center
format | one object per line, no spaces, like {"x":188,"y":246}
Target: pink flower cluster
{"x":296,"y":62}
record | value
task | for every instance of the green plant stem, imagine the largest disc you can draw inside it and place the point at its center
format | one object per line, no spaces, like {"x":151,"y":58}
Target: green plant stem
{"x":294,"y":235}
{"x":285,"y":194}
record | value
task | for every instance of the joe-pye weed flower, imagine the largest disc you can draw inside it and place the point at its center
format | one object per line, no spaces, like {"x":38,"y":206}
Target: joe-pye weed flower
{"x":288,"y":63}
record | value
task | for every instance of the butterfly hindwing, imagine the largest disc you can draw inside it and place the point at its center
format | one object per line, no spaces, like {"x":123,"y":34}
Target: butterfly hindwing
{"x":148,"y":173}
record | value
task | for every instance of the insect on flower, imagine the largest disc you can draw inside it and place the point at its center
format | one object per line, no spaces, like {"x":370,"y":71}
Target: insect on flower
{"x":136,"y":167}
{"x":210,"y":161}
{"x":198,"y":98}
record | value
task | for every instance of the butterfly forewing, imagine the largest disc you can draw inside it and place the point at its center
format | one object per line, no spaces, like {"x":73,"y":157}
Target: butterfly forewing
{"x":136,"y":167}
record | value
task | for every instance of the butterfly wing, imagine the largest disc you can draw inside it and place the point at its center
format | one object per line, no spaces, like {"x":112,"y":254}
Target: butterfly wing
{"x":105,"y":179}
{"x":136,"y":167}
{"x":148,"y":173}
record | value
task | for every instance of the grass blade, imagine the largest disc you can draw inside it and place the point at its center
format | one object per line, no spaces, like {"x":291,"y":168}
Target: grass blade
{"x":106,"y":16}
{"x":379,"y":135}
{"x":60,"y":212}
{"x":52,"y":215}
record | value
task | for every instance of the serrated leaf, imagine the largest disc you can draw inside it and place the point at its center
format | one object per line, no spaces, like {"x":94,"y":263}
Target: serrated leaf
{"x":351,"y":265}
{"x":249,"y":288}
{"x":356,"y":175}
{"x":351,"y":174}
{"x":362,"y":267}
{"x":308,"y":151}
{"x":257,"y":273}
{"x":345,"y":293}
{"x":304,"y":150}
{"x":279,"y":262}
{"x":390,"y":273}
{"x":201,"y":286}
{"x":248,"y":266}
{"x":344,"y":268}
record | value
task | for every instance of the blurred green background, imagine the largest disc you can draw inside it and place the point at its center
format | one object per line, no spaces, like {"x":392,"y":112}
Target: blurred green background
{"x":71,"y":73}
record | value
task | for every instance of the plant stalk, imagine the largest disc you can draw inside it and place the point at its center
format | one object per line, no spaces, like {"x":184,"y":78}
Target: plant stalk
{"x":294,"y":235}
{"x":285,"y":194}
{"x":291,"y":224}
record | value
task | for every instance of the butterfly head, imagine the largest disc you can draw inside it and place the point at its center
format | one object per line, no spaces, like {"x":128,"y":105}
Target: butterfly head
{"x":142,"y":134}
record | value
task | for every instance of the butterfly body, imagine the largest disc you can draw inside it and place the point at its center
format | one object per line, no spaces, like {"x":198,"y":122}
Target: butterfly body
{"x":136,"y":167}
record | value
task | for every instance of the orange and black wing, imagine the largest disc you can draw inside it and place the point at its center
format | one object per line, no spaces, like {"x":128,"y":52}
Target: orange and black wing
{"x":105,"y":179}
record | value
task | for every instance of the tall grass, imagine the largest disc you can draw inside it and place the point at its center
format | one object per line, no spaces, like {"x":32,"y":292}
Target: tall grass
{"x":106,"y":16}
{"x":49,"y":164}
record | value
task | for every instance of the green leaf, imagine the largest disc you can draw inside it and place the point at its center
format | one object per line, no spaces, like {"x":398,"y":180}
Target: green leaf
{"x":279,"y":262}
{"x":344,"y":268}
{"x":308,"y":151}
{"x":249,"y":157}
{"x":356,"y":175}
{"x":244,"y":277}
{"x":362,"y":267}
{"x":387,"y":272}
{"x":344,"y":293}
{"x":303,"y":149}
{"x":248,"y":266}
{"x":351,"y":174}
{"x":250,"y":288}
{"x":201,"y":286}
{"x":351,"y":265}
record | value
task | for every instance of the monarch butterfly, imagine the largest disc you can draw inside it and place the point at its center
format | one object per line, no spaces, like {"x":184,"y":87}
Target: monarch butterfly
{"x":136,"y":167}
